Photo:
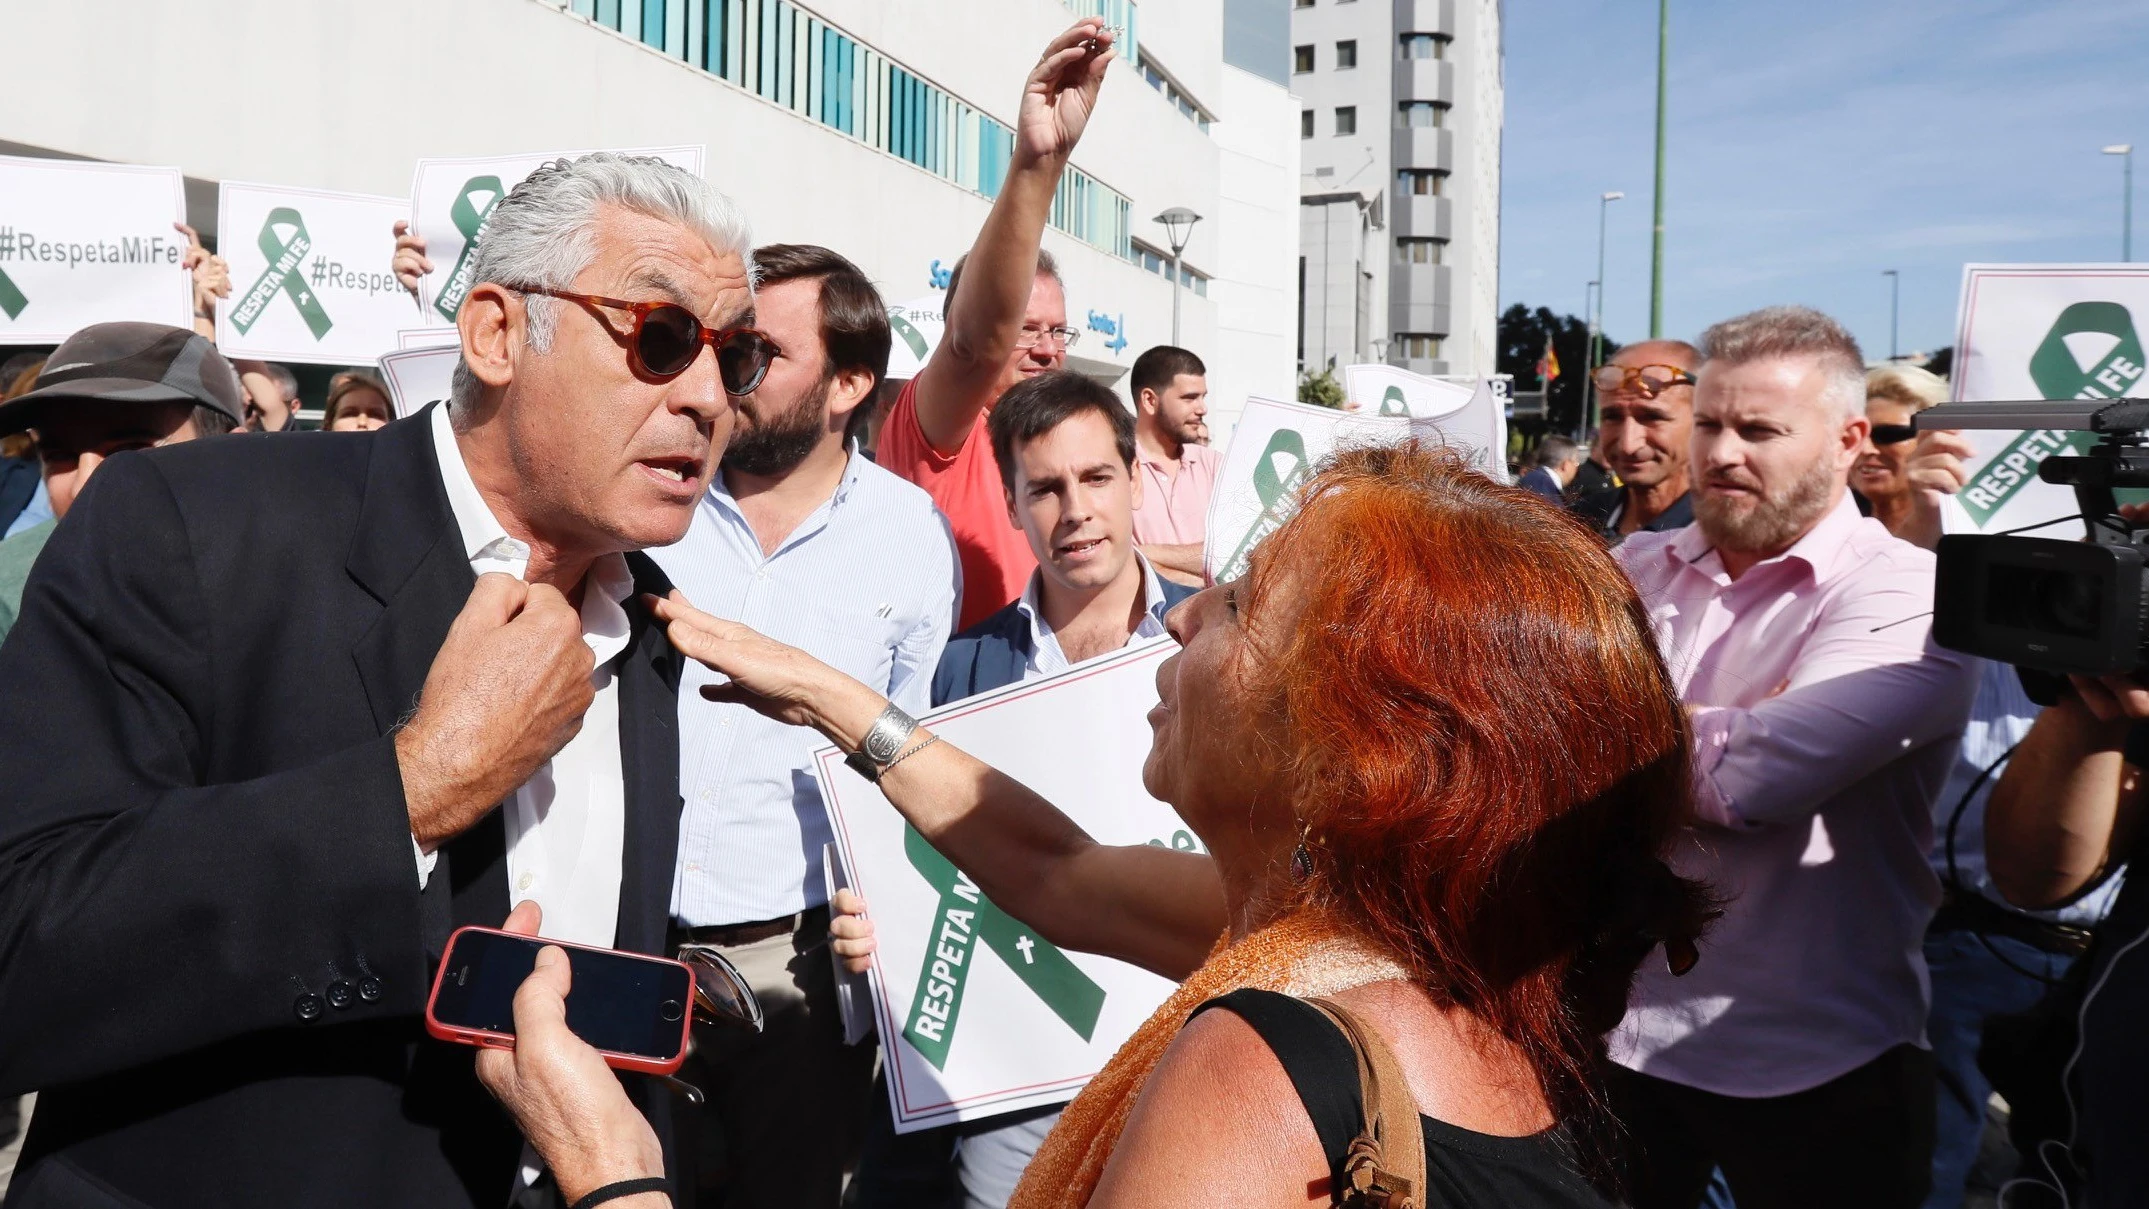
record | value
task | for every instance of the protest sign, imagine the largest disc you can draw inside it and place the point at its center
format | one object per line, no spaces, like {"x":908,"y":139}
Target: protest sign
{"x":84,"y":242}
{"x":978,"y":1014}
{"x":418,"y":376}
{"x":2042,"y":332}
{"x":1467,"y":414}
{"x":917,"y":325}
{"x":451,"y":198}
{"x":1274,"y":448}
{"x":310,"y":274}
{"x":427,"y":337}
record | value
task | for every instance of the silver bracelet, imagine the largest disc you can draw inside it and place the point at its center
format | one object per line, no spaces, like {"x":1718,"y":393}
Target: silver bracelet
{"x":883,"y":742}
{"x":890,"y":765}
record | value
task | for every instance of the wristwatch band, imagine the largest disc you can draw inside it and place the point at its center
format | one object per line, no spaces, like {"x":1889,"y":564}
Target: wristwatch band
{"x":883,"y":742}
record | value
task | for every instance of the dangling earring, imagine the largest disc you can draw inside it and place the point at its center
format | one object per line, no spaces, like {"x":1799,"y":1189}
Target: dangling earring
{"x":1302,"y":860}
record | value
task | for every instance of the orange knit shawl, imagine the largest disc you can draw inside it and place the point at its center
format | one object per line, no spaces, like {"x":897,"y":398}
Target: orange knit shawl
{"x":1304,"y":954}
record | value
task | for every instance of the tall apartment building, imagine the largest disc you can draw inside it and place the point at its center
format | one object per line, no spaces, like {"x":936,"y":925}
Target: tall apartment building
{"x":1401,"y":106}
{"x":880,"y":128}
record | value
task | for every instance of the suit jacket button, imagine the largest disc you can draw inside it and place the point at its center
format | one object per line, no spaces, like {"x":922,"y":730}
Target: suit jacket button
{"x":369,"y":989}
{"x":340,"y":995}
{"x":308,"y":1006}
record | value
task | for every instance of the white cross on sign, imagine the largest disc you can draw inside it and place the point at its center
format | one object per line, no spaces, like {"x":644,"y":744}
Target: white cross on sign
{"x":1026,"y":944}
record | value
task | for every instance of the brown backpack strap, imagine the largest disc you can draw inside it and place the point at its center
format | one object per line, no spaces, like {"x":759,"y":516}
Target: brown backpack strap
{"x":1385,"y":1168}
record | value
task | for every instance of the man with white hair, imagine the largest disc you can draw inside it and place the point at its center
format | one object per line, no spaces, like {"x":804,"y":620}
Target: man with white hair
{"x":306,"y":705}
{"x":1793,"y":1054}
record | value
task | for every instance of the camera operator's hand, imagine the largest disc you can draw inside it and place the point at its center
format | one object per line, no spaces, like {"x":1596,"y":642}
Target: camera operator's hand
{"x":2113,"y":698}
{"x":506,"y":692}
{"x":563,"y":1097}
{"x":1935,"y":470}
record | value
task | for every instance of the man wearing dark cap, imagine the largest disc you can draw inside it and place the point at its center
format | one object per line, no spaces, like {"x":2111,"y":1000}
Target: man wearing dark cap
{"x":112,"y":387}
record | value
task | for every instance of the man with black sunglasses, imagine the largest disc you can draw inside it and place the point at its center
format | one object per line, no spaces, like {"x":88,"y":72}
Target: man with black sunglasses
{"x":325,"y":698}
{"x":1645,"y":418}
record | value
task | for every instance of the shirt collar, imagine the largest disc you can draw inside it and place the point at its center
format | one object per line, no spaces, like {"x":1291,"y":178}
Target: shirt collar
{"x":483,"y":535}
{"x":488,"y":546}
{"x":853,"y":470}
{"x":1030,"y":606}
{"x":1819,"y":549}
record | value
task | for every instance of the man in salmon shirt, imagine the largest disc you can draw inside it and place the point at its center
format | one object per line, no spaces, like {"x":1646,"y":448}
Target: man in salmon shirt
{"x":1006,"y":321}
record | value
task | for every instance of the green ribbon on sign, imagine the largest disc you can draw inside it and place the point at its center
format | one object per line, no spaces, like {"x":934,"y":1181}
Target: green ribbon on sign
{"x":966,"y":917}
{"x":11,"y":299}
{"x":2060,"y":375}
{"x":909,"y":334}
{"x":1277,"y":490}
{"x":1393,"y":403}
{"x":470,"y":220}
{"x":2015,"y":467}
{"x":285,"y":255}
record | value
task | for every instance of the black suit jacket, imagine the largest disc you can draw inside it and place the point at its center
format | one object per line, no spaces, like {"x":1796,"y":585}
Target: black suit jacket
{"x":214,"y":955}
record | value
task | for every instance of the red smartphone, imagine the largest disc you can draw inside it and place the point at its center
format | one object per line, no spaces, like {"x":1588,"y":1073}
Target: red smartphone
{"x":633,"y":1009}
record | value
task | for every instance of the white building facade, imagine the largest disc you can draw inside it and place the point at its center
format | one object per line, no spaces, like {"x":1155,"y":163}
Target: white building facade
{"x":879,"y":128}
{"x":1401,"y":108}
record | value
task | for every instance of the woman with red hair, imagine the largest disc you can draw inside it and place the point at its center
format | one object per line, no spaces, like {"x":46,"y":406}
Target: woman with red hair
{"x":1435,"y":759}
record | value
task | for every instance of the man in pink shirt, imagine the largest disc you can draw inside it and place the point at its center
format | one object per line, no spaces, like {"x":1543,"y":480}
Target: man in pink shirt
{"x":1793,"y":1055}
{"x":1171,"y":400}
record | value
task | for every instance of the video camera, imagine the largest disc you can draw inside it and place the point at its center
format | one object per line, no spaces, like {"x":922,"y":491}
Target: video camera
{"x":2047,"y":604}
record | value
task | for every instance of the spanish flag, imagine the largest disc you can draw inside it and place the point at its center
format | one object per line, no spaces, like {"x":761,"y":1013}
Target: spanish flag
{"x":1548,"y":366}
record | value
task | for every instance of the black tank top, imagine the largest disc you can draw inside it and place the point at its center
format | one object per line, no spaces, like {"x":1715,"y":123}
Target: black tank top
{"x":1467,"y":1170}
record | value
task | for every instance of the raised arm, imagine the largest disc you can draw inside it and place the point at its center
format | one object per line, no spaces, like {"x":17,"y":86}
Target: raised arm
{"x":2066,"y":810}
{"x":985,"y":317}
{"x":1161,"y":910}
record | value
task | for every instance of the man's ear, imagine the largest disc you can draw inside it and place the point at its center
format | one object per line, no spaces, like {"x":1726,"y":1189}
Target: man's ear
{"x":1135,"y":473}
{"x":493,"y":324}
{"x":1855,"y":431}
{"x":1145,"y":402}
{"x":1008,"y":493}
{"x":853,"y":390}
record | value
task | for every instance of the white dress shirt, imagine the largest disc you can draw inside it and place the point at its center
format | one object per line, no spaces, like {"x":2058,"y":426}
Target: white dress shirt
{"x":866,"y":584}
{"x":566,"y":827}
{"x":1046,"y":657}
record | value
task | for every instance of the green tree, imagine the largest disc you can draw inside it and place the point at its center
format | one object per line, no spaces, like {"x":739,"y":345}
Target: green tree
{"x":1522,"y":344}
{"x":1321,"y":389}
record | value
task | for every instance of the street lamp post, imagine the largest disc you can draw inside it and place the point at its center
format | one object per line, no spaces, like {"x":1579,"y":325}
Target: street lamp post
{"x":1589,"y":380}
{"x":1656,"y":240}
{"x":1178,"y":228}
{"x":2126,"y":206}
{"x":1895,"y":294}
{"x":1596,"y":321}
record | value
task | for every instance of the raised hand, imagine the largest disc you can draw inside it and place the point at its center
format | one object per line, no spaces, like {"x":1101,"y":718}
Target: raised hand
{"x":782,"y":682}
{"x":1935,"y":469}
{"x":1061,"y":92}
{"x":850,"y":931}
{"x":505,"y":693}
{"x":410,"y":262}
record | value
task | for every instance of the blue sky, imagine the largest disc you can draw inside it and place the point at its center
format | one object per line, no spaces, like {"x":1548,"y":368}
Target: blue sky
{"x":1813,"y":144}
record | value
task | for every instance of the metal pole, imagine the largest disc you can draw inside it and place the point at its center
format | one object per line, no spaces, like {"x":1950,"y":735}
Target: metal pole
{"x":1593,"y":307}
{"x":1596,"y":322}
{"x":1175,"y":297}
{"x":1895,"y":293}
{"x":1656,"y":250}
{"x":2126,"y":220}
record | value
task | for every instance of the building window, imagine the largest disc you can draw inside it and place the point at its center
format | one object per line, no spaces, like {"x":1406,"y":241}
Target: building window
{"x":1303,"y":4}
{"x":1419,"y":251}
{"x":1416,"y":347}
{"x":1346,"y":54}
{"x":1160,"y":263}
{"x":785,"y":54}
{"x":1346,"y":119}
{"x":1301,"y":59}
{"x":1424,"y":46}
{"x":1162,"y":82}
{"x":1423,"y":182}
{"x":1305,"y":123}
{"x":1420,"y":114}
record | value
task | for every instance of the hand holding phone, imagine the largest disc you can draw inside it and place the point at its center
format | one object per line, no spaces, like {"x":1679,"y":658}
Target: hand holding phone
{"x":633,"y":1009}
{"x":563,"y":1097}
